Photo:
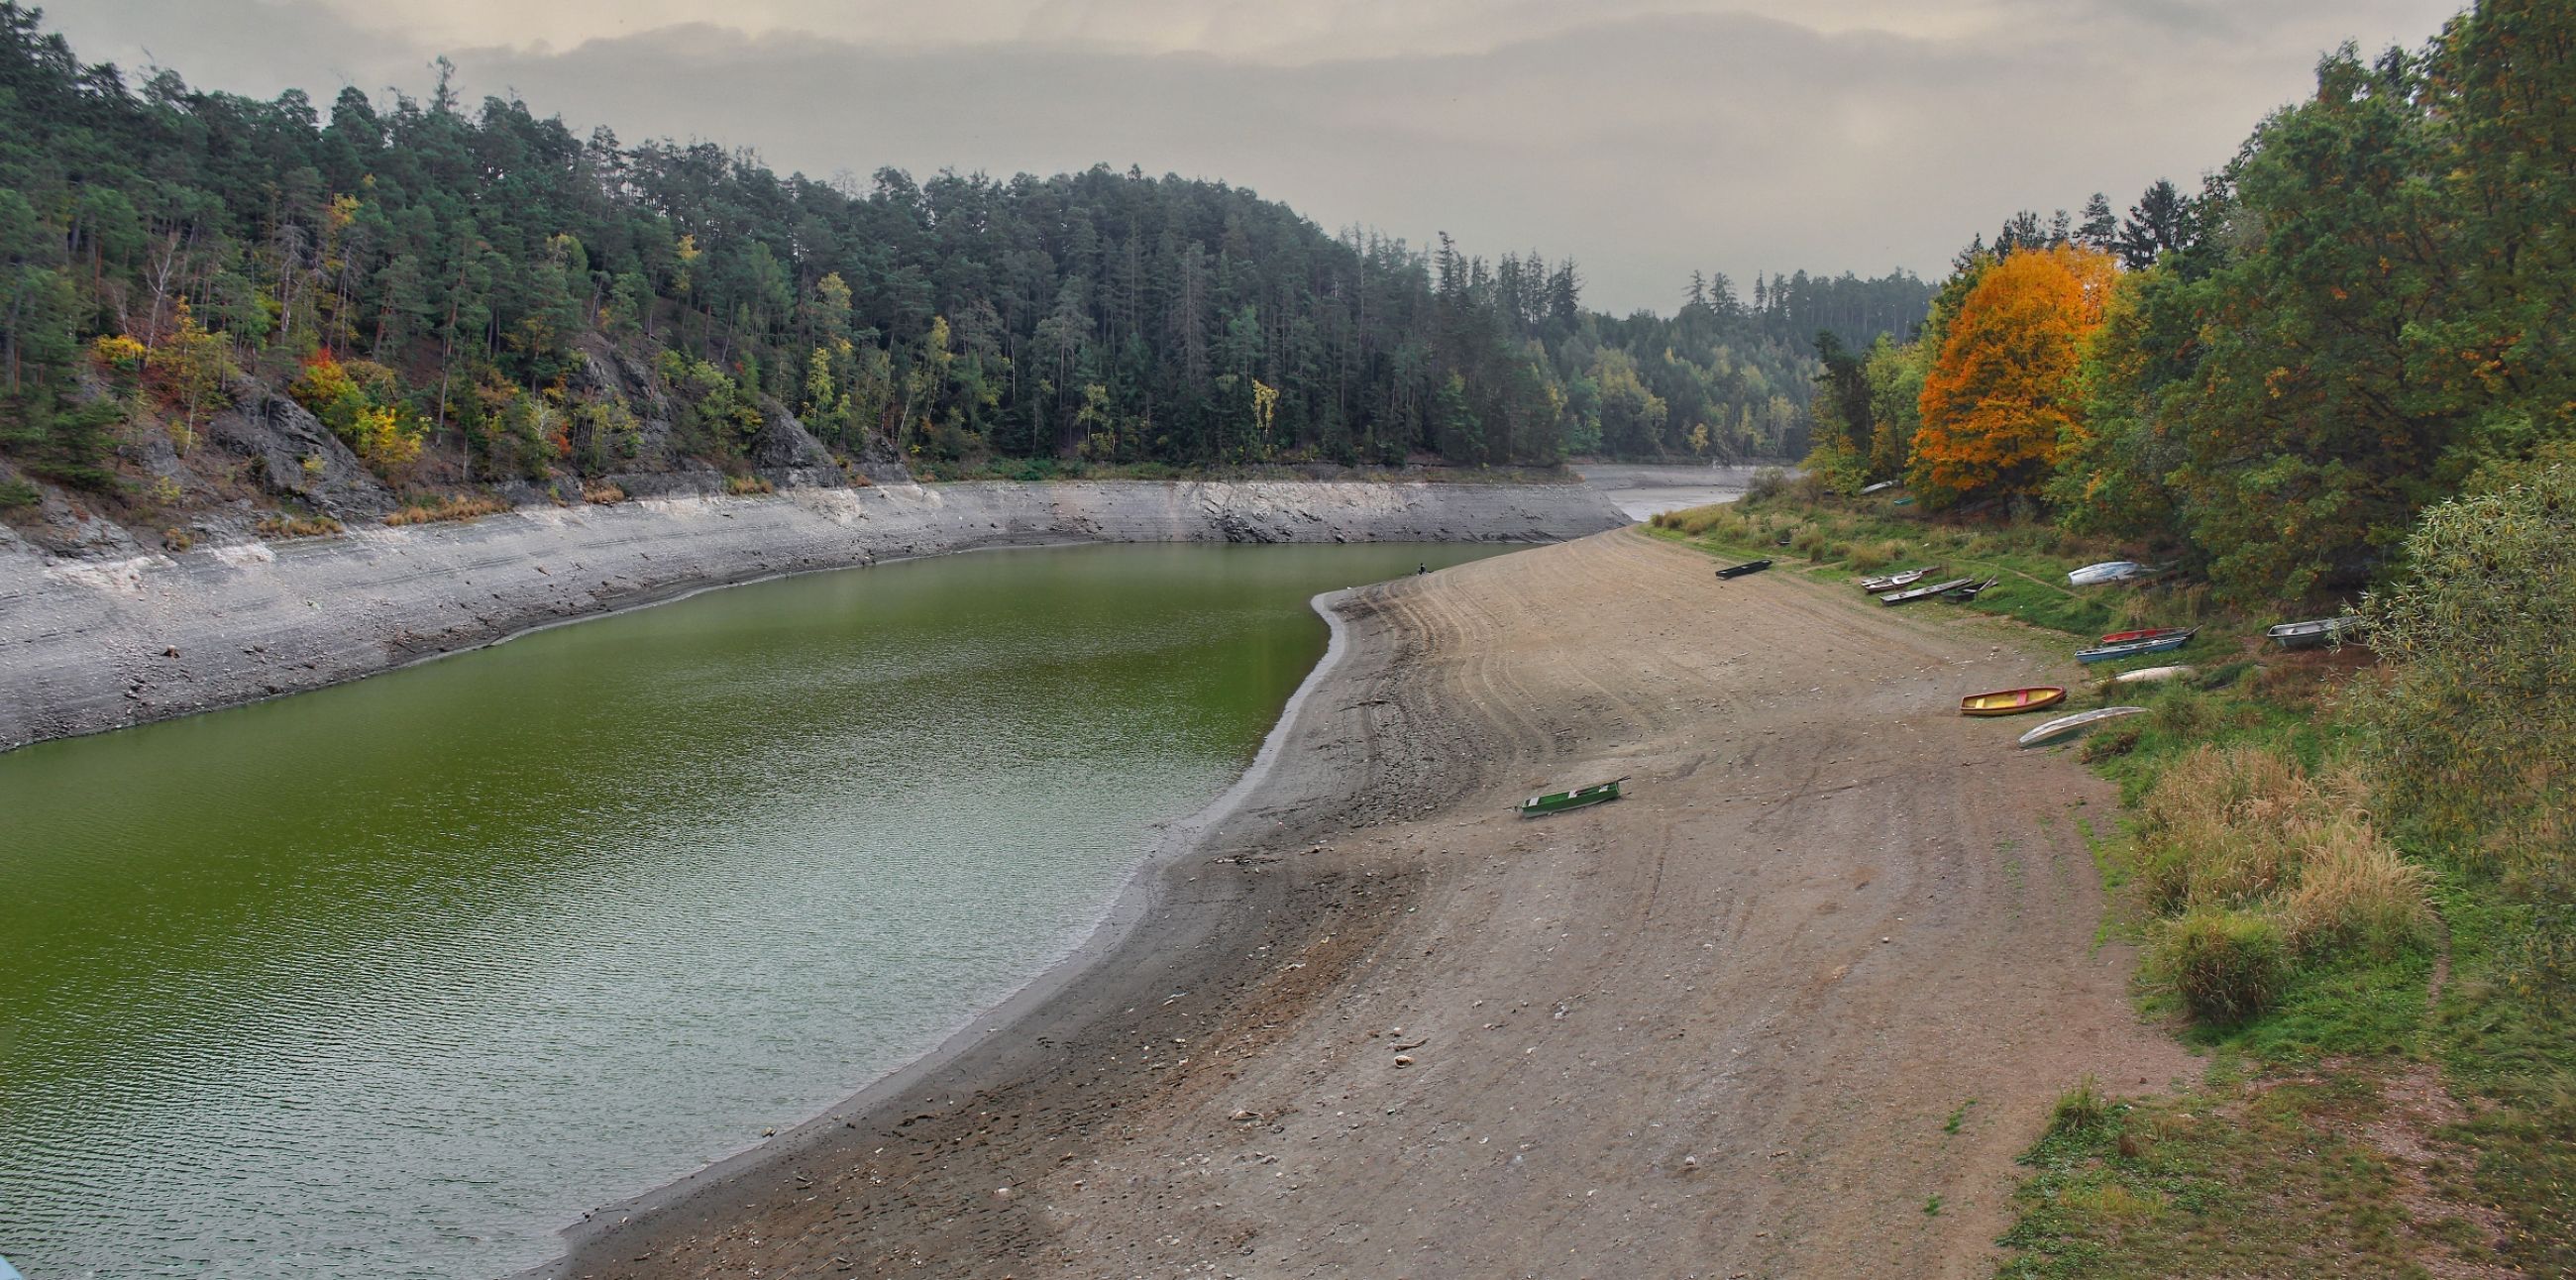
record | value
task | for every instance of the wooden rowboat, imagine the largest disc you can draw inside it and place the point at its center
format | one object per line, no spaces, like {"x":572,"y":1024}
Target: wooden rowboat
{"x":1924,"y":593}
{"x":2136,"y":648}
{"x":2316,"y":634}
{"x":1970,"y":591}
{"x":1901,"y":578}
{"x":1560,"y":801}
{"x":2149,"y":633}
{"x":2067,"y":726}
{"x":1739,"y":570}
{"x":2153,"y":675}
{"x":2011,"y":702}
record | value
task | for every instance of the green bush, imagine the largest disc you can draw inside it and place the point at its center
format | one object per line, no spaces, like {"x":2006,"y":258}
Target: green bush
{"x":2226,"y":965}
{"x":18,"y":493}
{"x":1767,"y":483}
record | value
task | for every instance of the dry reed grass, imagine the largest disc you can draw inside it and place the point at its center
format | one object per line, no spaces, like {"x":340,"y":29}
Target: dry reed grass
{"x":2239,"y":837}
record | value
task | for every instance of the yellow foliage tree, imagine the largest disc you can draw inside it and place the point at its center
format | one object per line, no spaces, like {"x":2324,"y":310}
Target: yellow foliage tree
{"x":2001,"y":401}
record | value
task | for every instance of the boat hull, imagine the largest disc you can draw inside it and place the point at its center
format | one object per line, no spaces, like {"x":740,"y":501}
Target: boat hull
{"x":2313,"y":635}
{"x":1924,"y":593}
{"x":1899,"y":580}
{"x":1739,"y":570}
{"x":2094,"y":575}
{"x":2069,"y":726}
{"x":2011,"y":702}
{"x":1562,"y":801}
{"x":2148,"y":633}
{"x":2153,"y":675}
{"x":2135,"y":649}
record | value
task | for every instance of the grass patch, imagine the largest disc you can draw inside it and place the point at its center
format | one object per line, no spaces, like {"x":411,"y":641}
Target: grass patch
{"x":470,"y":506}
{"x":602,"y":494}
{"x":745,"y":486}
{"x":16,"y":494}
{"x":282,"y":526}
{"x":1958,"y":1117}
{"x":2268,"y":1179}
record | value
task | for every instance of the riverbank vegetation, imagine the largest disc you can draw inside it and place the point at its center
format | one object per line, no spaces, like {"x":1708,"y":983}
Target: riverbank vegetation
{"x":2332,"y":378}
{"x":2347,"y":872}
{"x":468,"y":295}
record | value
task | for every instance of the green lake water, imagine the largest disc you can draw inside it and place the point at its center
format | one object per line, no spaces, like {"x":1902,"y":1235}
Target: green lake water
{"x":397,"y":979}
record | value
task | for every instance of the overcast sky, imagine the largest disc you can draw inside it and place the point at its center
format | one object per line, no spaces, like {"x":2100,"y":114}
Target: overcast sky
{"x":1645,"y":138}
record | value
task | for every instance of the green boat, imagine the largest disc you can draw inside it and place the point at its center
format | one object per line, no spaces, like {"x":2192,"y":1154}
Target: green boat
{"x":1559,"y":801}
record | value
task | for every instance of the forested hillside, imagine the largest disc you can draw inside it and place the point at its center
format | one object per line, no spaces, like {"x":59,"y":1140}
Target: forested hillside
{"x":468,"y":295}
{"x":2364,"y":312}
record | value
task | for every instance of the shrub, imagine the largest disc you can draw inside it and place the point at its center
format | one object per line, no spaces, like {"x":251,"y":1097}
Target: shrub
{"x":2226,"y":965}
{"x":2081,"y":1110}
{"x":1869,"y":557}
{"x":2183,"y":711}
{"x":1766,"y":484}
{"x":16,"y":493}
{"x":2475,"y":729}
{"x":740,"y":486}
{"x":465,"y":507}
{"x":119,"y":352}
{"x":282,"y":526}
{"x":602,"y":495}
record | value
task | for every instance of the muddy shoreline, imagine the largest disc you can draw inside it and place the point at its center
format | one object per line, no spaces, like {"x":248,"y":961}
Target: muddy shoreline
{"x":1367,"y":1023}
{"x":1162,"y":928}
{"x":90,"y":644}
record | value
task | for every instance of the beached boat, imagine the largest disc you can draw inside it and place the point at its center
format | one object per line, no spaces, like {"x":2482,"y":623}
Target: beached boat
{"x":1924,"y":593}
{"x":2316,"y":634}
{"x":1900,"y":579}
{"x":2093,"y":575}
{"x":2067,"y":726}
{"x":2011,"y":702}
{"x":1739,"y":570}
{"x":1560,"y":801}
{"x":1881,"y":487}
{"x":1970,"y":591}
{"x":2153,"y":675}
{"x":2136,"y":648}
{"x":2147,"y":633}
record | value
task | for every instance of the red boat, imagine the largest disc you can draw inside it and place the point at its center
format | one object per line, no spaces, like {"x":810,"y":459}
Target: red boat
{"x":2150,"y":633}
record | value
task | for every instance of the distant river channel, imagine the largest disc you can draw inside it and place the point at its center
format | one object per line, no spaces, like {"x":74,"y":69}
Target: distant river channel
{"x":397,"y":979}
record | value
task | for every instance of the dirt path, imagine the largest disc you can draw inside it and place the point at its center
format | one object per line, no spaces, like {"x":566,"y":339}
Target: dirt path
{"x":1715,"y":1029}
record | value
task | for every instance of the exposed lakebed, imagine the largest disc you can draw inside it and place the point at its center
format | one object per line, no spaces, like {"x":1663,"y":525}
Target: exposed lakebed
{"x":397,"y":978}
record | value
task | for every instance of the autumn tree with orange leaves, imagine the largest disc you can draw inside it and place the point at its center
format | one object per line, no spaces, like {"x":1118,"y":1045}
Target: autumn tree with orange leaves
{"x":2002,"y":400}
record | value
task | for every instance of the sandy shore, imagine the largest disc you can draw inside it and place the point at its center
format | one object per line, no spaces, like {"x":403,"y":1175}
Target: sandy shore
{"x":1376,"y":1025}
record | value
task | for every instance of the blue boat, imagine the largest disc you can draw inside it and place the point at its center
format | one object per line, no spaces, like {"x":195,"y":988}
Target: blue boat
{"x":8,"y":1272}
{"x":2136,"y":648}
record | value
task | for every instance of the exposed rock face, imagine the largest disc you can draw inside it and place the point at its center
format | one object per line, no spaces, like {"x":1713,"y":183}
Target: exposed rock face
{"x":110,"y":633}
{"x":790,"y":455}
{"x":295,"y":456}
